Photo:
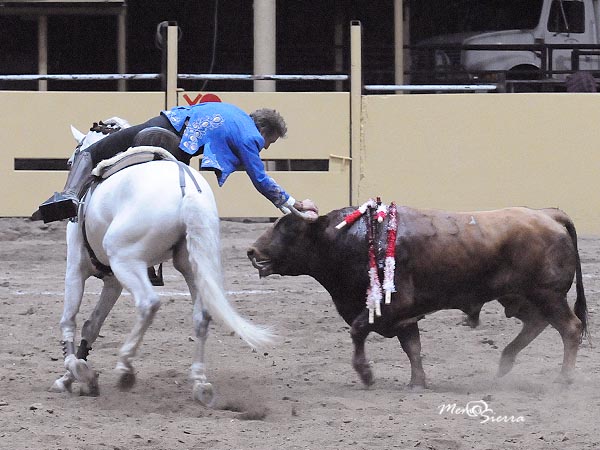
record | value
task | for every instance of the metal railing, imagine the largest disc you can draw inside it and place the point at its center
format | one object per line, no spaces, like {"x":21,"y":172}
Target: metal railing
{"x":545,"y":75}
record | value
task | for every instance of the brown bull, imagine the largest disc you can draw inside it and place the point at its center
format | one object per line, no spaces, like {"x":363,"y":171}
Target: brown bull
{"x":526,"y":259}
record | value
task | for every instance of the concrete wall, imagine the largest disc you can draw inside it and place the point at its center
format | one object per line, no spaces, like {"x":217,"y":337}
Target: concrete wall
{"x":484,"y":151}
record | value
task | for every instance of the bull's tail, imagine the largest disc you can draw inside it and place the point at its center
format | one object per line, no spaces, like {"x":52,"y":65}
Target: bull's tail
{"x":203,"y":244}
{"x":580,"y":307}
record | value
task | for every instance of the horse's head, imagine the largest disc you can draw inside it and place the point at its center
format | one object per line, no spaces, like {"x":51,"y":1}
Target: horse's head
{"x":98,"y":131}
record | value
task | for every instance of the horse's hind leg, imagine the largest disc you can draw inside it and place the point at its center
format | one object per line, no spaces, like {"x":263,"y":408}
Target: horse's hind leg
{"x":202,"y":390}
{"x":134,"y":277}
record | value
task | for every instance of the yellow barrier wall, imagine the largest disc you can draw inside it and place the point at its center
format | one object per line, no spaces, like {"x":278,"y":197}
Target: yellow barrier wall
{"x":446,"y":151}
{"x":37,"y":125}
{"x":484,"y":151}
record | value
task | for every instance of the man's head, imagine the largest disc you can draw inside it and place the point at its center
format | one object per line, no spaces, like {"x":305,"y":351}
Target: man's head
{"x":270,"y":124}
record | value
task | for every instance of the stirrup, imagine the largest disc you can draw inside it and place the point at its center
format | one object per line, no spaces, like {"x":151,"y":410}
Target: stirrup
{"x":58,"y":207}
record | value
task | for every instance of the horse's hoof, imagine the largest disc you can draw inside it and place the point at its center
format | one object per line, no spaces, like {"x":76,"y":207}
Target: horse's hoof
{"x":61,"y":386}
{"x":204,"y":393}
{"x":92,"y":389}
{"x":127,"y":381}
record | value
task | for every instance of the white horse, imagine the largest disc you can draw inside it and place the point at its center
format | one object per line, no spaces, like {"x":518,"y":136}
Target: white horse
{"x":134,"y":219}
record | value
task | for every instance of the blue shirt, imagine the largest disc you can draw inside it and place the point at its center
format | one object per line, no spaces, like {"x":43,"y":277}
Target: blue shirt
{"x":230,"y":140}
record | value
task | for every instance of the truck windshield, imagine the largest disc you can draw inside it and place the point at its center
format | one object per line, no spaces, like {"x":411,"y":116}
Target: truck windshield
{"x":496,"y":15}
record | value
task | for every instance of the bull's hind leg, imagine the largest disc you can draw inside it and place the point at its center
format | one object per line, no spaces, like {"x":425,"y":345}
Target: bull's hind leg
{"x":202,"y":390}
{"x":411,"y":344}
{"x":533,"y":325}
{"x":556,"y":310}
{"x":134,"y":277}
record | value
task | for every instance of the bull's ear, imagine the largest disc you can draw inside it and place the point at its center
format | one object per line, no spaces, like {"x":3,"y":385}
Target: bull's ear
{"x":327,"y":224}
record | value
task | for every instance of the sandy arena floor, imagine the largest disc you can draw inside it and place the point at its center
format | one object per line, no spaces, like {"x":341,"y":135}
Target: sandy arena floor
{"x":300,"y":394}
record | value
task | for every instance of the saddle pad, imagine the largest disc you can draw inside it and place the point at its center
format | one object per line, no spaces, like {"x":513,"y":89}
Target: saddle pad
{"x":133,"y":155}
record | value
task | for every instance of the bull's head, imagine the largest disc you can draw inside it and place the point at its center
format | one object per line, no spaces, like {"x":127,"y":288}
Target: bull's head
{"x":283,"y":247}
{"x":293,"y":246}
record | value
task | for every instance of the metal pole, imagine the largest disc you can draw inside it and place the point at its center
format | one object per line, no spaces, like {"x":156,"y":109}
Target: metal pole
{"x":399,"y":41}
{"x":355,"y":109}
{"x":264,"y":43}
{"x":171,"y":75}
{"x":339,"y":45}
{"x":122,"y":48}
{"x":43,"y":51}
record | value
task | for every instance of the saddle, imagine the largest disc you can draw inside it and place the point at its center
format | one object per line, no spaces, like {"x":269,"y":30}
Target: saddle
{"x":130,"y":157}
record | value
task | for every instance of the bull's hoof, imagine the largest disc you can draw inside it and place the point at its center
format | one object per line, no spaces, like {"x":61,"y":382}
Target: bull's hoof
{"x":417,"y":387}
{"x":505,"y":366}
{"x":366,"y":375}
{"x":471,"y":322}
{"x":126,"y":381}
{"x":564,"y":379}
{"x":204,"y":394}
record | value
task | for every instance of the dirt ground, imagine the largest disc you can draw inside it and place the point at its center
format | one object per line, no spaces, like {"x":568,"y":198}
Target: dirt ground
{"x":301,"y":393}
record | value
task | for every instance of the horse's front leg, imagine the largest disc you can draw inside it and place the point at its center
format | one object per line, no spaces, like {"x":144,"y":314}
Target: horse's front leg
{"x":135,"y":279}
{"x":74,"y":285}
{"x":111,"y":290}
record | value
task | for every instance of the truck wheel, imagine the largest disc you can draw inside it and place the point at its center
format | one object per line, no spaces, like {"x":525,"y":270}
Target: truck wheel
{"x":523,"y":74}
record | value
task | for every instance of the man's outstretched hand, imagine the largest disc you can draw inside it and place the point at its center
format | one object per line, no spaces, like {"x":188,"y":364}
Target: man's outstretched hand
{"x":308,"y":209}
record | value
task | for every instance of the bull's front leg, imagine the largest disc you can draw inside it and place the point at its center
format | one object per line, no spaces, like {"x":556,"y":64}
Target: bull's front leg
{"x":359,"y":331}
{"x":410,"y":340}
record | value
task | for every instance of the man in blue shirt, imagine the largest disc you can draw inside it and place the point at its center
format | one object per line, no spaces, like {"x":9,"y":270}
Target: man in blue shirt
{"x":227,"y":137}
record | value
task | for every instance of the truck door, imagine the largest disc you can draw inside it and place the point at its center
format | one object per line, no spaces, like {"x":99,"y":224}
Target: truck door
{"x":567,"y":24}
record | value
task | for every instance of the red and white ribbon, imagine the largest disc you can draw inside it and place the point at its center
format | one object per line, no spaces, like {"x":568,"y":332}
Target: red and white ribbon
{"x":390,"y":254}
{"x":374,"y":292}
{"x":354,"y":216}
{"x":381,"y":212}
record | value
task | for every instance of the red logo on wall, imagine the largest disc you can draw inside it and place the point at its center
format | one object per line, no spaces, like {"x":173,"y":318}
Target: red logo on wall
{"x":201,"y":98}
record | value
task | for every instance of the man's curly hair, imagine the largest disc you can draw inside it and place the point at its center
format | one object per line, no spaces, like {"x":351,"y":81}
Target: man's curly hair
{"x":269,"y":122}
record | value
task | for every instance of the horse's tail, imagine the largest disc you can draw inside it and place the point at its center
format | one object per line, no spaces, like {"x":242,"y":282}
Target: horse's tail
{"x":203,"y":245}
{"x":580,"y":307}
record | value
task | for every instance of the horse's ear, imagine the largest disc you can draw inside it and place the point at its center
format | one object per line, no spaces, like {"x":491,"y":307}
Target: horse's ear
{"x":78,"y":135}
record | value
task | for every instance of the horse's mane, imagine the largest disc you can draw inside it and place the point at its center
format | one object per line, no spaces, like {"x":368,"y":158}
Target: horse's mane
{"x":105,"y":128}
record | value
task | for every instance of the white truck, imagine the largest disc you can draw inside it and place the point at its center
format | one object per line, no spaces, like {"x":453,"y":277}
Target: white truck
{"x":443,"y":58}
